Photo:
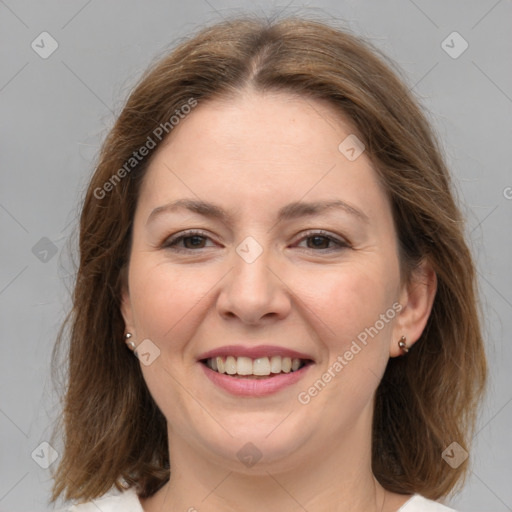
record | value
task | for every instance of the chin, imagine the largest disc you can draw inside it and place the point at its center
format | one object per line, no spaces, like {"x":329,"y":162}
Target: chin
{"x":255,"y":448}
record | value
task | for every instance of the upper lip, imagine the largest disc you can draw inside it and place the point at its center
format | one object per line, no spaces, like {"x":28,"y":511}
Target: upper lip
{"x":253,"y":352}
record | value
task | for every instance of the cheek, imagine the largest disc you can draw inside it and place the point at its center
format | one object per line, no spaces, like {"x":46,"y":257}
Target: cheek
{"x":164,"y":297}
{"x":348,"y":303}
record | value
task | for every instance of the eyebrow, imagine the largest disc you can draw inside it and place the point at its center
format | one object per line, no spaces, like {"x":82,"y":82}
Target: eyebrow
{"x":290,"y":211}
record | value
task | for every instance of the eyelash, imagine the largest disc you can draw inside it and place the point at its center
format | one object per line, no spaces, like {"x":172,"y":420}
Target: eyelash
{"x":171,"y":242}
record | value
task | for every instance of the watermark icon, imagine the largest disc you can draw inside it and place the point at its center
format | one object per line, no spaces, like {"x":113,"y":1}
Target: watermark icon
{"x":507,"y":192}
{"x":249,"y":454}
{"x":249,"y":249}
{"x":304,"y":397}
{"x":44,"y":250}
{"x":44,"y":45}
{"x":454,"y":455}
{"x":152,"y":140}
{"x":351,"y":147}
{"x":147,"y":352}
{"x":454,"y":45}
{"x":45,"y":455}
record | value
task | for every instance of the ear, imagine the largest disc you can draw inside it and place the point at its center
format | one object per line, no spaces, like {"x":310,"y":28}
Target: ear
{"x":126,"y":306}
{"x":416,"y":297}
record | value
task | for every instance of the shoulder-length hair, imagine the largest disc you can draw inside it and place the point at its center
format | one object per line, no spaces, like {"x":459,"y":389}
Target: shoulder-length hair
{"x":113,"y":432}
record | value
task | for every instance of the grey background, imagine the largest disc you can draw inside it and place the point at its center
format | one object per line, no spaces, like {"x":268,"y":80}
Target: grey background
{"x":55,"y":112}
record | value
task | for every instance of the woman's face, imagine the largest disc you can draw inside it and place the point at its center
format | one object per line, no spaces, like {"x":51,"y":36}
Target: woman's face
{"x":253,"y":267}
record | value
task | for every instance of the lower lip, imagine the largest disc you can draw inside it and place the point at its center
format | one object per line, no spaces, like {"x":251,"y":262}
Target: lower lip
{"x":254,"y":387}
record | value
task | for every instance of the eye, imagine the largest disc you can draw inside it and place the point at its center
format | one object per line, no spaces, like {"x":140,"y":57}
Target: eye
{"x":192,"y":240}
{"x":321,"y":239}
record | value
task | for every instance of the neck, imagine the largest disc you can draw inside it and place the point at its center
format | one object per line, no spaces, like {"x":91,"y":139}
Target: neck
{"x":338,"y":478}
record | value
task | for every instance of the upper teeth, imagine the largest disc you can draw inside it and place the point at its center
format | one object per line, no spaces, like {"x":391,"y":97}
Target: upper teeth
{"x":247,"y":366}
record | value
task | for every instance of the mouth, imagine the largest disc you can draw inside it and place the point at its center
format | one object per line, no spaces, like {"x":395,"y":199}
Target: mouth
{"x":259,"y":368}
{"x":254,"y":371}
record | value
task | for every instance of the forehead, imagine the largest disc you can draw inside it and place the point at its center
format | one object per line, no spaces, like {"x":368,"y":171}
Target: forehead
{"x":261,"y":149}
{"x":254,"y":125}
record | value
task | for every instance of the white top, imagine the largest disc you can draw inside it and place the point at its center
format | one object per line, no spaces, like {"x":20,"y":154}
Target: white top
{"x":128,"y":501}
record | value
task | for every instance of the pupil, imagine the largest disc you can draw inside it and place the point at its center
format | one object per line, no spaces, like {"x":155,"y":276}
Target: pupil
{"x":195,"y":240}
{"x":321,"y":239}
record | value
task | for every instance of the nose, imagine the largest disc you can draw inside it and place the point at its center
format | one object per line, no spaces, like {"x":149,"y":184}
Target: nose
{"x":254,"y":292}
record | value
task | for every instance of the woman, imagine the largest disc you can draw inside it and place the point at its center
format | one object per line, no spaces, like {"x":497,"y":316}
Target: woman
{"x":271,"y":231}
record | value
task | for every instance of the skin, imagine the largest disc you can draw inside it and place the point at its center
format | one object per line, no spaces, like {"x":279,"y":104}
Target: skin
{"x":252,"y":155}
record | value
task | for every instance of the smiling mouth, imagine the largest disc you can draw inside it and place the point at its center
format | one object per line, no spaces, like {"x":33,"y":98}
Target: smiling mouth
{"x":259,"y":368}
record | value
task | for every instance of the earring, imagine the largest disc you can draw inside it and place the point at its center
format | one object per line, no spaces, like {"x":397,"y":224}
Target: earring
{"x":127,"y":337}
{"x":402,"y":345}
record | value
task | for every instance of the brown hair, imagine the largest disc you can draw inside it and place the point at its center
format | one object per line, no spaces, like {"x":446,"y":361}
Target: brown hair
{"x":114,"y":434}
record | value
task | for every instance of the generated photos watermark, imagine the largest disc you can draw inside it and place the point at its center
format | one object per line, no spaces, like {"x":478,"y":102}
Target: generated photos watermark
{"x":158,"y":134}
{"x":305,"y":397}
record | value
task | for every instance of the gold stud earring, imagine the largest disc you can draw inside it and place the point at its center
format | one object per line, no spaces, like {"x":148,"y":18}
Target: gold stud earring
{"x":403,"y":347}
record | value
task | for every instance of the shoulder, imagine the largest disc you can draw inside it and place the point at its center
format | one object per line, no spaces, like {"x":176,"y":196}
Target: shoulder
{"x":115,"y":501}
{"x":418,"y":503}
